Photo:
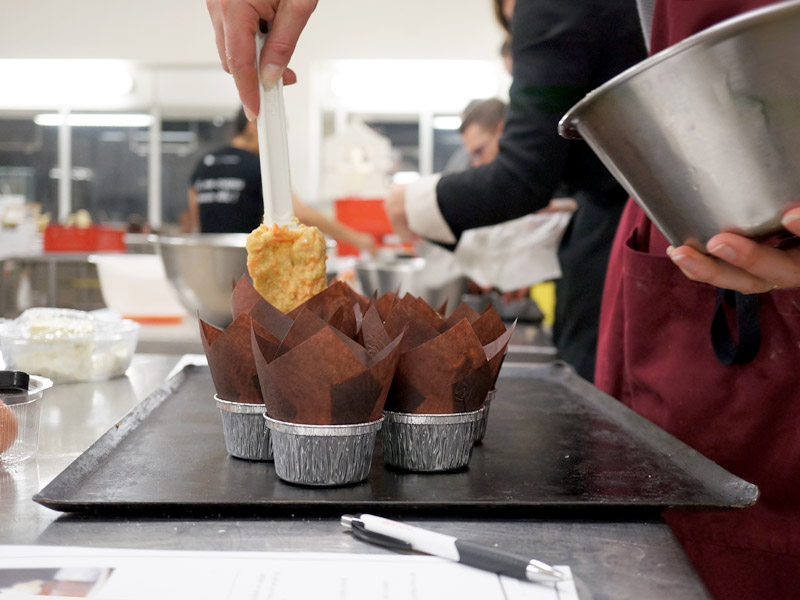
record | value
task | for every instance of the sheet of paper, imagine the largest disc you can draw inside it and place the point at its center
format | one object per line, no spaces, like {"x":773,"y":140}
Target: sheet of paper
{"x":114,"y":574}
{"x":188,"y":359}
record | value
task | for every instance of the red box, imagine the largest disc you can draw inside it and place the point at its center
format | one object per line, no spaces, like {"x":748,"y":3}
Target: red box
{"x":363,"y":214}
{"x":110,"y":239}
{"x":95,"y":238}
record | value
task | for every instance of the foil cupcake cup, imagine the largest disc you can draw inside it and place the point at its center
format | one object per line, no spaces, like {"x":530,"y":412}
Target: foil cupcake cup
{"x":428,"y":443}
{"x":246,"y":434}
{"x":323,"y":455}
{"x":480,"y":432}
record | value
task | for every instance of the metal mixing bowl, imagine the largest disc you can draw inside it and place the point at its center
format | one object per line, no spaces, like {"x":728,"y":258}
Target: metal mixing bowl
{"x":706,"y":135}
{"x":411,"y":275}
{"x":203,"y":267}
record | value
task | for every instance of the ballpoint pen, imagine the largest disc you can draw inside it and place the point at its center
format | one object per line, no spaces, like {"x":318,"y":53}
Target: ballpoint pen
{"x":400,"y":536}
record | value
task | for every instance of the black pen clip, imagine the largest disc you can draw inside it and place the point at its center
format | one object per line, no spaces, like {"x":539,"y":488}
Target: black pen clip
{"x":357,"y":528}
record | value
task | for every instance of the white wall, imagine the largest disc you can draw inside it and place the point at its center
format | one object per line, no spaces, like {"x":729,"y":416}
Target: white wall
{"x":179,"y":31}
{"x":170,"y":44}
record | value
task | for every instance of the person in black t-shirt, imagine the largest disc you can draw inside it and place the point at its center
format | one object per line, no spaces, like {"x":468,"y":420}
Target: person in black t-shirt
{"x":225,"y":194}
{"x":225,"y":188}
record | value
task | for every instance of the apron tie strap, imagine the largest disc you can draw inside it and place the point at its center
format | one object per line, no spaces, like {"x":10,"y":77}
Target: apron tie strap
{"x":747,"y":325}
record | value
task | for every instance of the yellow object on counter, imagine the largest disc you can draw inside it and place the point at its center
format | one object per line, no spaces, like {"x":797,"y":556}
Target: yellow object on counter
{"x":81,"y":219}
{"x":544,"y":294}
{"x":287,"y":265}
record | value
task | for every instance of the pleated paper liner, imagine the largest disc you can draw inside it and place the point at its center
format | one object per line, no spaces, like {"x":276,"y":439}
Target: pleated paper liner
{"x":342,"y":359}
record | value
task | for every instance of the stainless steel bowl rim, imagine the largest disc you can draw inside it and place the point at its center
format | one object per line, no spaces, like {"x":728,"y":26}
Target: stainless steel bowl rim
{"x":234,"y":240}
{"x":567,"y":126}
{"x":433,"y":419}
{"x":409,"y":265}
{"x":247,"y":408}
{"x":323,"y":430}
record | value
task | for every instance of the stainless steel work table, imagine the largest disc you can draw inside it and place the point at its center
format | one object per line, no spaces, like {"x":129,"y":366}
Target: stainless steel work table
{"x":630,"y":559}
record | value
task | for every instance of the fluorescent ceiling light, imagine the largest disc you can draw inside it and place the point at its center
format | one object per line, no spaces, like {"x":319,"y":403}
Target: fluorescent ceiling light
{"x":446,"y":122}
{"x":94,"y":120}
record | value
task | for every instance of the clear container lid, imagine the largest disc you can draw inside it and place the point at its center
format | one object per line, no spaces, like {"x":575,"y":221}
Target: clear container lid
{"x":52,"y":324}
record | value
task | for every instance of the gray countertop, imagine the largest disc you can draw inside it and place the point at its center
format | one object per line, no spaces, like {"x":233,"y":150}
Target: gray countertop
{"x":609,"y":559}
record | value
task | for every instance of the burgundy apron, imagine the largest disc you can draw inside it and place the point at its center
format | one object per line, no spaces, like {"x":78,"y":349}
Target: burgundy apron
{"x":655,"y":354}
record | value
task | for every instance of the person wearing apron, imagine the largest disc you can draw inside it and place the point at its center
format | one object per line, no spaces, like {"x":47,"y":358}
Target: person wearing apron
{"x":655,"y":354}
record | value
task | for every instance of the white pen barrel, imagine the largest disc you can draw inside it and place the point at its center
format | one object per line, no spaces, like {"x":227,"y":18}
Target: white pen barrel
{"x":421,"y":540}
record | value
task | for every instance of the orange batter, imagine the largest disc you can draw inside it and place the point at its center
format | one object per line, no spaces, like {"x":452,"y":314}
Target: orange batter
{"x":287,"y":265}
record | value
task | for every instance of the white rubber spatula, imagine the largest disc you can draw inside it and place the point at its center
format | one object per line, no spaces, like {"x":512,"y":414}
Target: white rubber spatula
{"x":273,"y":147}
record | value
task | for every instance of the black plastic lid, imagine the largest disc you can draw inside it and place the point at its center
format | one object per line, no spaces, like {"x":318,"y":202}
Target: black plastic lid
{"x":14,"y":381}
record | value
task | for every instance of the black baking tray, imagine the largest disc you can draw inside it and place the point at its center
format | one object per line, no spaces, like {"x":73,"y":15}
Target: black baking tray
{"x":554,"y":444}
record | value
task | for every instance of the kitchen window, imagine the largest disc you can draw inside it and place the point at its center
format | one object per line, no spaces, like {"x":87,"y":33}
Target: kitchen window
{"x":27,"y":148}
{"x":109,"y":167}
{"x":108,"y":173}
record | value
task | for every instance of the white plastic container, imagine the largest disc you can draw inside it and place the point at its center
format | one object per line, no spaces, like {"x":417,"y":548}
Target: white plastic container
{"x":68,"y":345}
{"x":136,"y":287}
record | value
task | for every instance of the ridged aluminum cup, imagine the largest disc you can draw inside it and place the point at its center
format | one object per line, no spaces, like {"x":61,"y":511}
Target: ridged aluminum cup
{"x":323,"y":455}
{"x":480,"y":432}
{"x":246,"y":434}
{"x":429,"y":442}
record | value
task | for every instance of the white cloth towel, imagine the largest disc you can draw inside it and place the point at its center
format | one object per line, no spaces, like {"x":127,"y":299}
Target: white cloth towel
{"x":515,"y":254}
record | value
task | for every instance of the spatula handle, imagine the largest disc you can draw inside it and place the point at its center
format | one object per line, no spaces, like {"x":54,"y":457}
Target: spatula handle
{"x":273,"y":148}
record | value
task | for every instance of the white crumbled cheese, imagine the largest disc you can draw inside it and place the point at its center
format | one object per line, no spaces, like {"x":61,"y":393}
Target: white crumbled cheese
{"x":59,"y":360}
{"x":37,"y":323}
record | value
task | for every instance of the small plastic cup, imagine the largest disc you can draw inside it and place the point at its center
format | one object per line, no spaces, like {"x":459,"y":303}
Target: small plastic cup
{"x":246,"y":435}
{"x":323,"y":455}
{"x":19,"y":421}
{"x":480,"y":432}
{"x":426,"y":442}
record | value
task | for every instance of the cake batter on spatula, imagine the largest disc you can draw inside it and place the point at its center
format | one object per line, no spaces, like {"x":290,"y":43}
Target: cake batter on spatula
{"x":287,"y":264}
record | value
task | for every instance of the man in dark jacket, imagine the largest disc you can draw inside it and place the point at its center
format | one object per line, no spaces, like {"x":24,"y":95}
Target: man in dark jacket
{"x":561,"y":50}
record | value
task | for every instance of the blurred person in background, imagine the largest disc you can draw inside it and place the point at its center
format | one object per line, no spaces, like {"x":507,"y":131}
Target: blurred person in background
{"x":225,"y":193}
{"x":505,"y":54}
{"x":480,"y":129}
{"x":503,"y":12}
{"x":524,"y":247}
{"x":561,"y":51}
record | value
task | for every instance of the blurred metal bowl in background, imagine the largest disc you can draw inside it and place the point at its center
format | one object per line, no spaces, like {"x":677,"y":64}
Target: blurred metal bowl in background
{"x":706,"y":134}
{"x":411,"y":275}
{"x":202,"y":268}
